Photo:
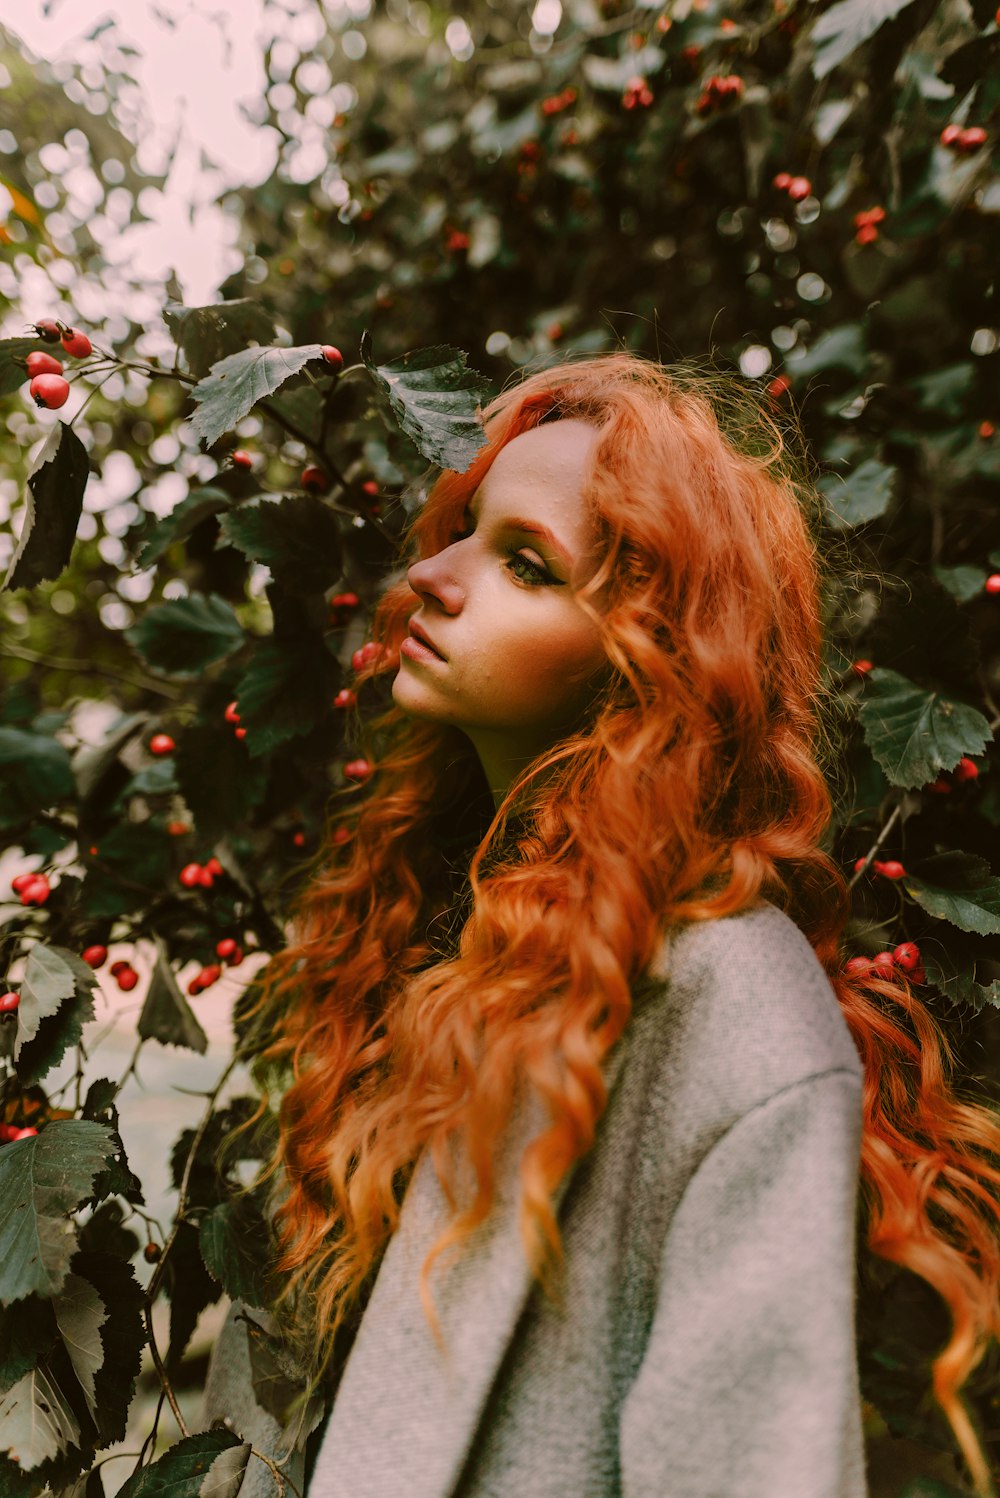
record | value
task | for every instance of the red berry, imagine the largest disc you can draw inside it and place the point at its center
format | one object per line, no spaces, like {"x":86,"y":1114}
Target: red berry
{"x":859,"y":865}
{"x":151,"y":1252}
{"x":859,"y":966}
{"x":210,"y":975}
{"x":342,"y":835}
{"x":9,"y":1002}
{"x":890,"y":870}
{"x":41,"y":363}
{"x":884,"y":963}
{"x":214,"y":867}
{"x":194,"y":987}
{"x":992,"y":583}
{"x":231,"y":715}
{"x":971,"y":139}
{"x":127,"y":979}
{"x":26,"y":1134}
{"x":240,"y":733}
{"x":161,"y":743}
{"x":861,"y":668}
{"x":205,"y":877}
{"x":95,"y":956}
{"x":36,"y":892}
{"x":370,"y":651}
{"x":966,"y":769}
{"x":907,"y":955}
{"x":49,"y":390}
{"x":235,"y":958}
{"x":118,"y":967}
{"x":949,"y":135}
{"x":344,"y":601}
{"x":226,"y":947}
{"x":986,"y":429}
{"x":357,"y":769}
{"x":240,"y":459}
{"x":799,"y":188}
{"x":369,"y":487}
{"x":20,"y":880}
{"x":782,"y":181}
{"x":299,"y":839}
{"x":778,"y":386}
{"x":939,"y":787}
{"x":345,"y":698}
{"x":314,"y":478}
{"x":77,"y":344}
{"x":47,"y":329}
{"x":333,"y":356}
{"x":190,"y":875}
{"x":178,"y":829}
{"x":867,"y":234}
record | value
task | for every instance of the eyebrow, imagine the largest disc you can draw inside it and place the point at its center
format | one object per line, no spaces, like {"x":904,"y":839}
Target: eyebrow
{"x":532,"y":528}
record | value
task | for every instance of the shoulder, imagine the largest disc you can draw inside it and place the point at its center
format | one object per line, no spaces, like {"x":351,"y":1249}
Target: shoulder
{"x":734,"y":1010}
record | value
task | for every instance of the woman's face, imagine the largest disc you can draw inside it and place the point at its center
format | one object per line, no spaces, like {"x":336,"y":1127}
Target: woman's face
{"x":518,"y":658}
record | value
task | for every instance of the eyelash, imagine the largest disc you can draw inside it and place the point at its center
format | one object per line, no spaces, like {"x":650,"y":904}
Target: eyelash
{"x":540,"y":576}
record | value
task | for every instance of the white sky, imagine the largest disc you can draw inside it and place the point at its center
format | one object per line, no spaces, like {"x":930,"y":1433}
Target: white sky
{"x":192,"y":78}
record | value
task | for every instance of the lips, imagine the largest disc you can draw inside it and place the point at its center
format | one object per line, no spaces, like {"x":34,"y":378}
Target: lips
{"x":419,"y":633}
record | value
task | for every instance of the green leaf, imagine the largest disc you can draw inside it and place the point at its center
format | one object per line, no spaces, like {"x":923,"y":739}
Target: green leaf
{"x":12,"y":374}
{"x":278,"y":1380}
{"x":960,"y":888}
{"x":166,"y":1015}
{"x":915,"y":734}
{"x":42,"y":1180}
{"x":235,"y":385}
{"x":122,"y":1338}
{"x":963,"y":970}
{"x":435,"y":399}
{"x":208,"y":1465}
{"x":235,"y":1246}
{"x":843,"y":347}
{"x":207,"y":334}
{"x":860,"y":495}
{"x":51,"y":1025}
{"x":27,"y":1331}
{"x":80,"y":1314}
{"x":54,"y":502}
{"x":962,"y":583}
{"x":944,"y":391}
{"x":35,"y":775}
{"x":285,"y":692}
{"x":299,"y":535}
{"x":845,"y":26}
{"x":36,"y":1422}
{"x":184,"y":636}
{"x":218,"y":780}
{"x":181,"y":521}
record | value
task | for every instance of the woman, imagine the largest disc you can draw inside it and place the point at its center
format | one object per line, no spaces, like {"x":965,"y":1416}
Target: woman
{"x":565,"y":995}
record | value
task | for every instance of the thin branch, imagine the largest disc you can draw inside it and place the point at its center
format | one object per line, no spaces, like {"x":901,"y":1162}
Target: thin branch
{"x":161,"y":1370}
{"x":897,"y":813}
{"x":65,"y":663}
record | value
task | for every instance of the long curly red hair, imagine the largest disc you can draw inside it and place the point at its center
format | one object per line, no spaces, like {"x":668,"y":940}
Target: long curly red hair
{"x":697,"y":784}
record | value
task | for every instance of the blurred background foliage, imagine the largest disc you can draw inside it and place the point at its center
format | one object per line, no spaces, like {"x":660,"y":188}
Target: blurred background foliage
{"x":805,"y":193}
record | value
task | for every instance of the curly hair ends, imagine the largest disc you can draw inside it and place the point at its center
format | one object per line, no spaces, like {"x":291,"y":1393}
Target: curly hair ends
{"x":405,"y":1010}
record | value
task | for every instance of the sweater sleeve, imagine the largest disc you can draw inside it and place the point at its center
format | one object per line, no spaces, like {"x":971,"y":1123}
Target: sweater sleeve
{"x":748,"y":1386}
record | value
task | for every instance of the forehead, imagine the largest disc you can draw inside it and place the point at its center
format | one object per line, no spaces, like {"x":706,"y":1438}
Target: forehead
{"x":541,"y":475}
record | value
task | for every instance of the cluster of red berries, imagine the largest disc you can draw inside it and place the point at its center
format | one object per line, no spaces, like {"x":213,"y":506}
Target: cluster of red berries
{"x":370,"y":651}
{"x":124,"y":975}
{"x":865,"y":224}
{"x":890,"y":870}
{"x":966,"y":769}
{"x":637,"y":92}
{"x":963,"y":141}
{"x":719,"y":91}
{"x":33,"y":889}
{"x":232,"y":955}
{"x":886,"y":964}
{"x":193,"y":874}
{"x":797,"y":188}
{"x":556,"y":103}
{"x":342,"y":606}
{"x":232,"y":716}
{"x":48,"y":388}
{"x":10,"y":1132}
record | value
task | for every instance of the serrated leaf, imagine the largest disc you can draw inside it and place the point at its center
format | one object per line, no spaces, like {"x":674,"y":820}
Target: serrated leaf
{"x":960,"y":888}
{"x":435,"y":399}
{"x":80,"y":1314}
{"x":208,"y":1465}
{"x":36,"y":1423}
{"x":860,"y":495}
{"x":42,"y":1180}
{"x":27,"y":1332}
{"x":298,"y":534}
{"x":181,"y":521}
{"x":915,"y":734}
{"x":63,"y":1026}
{"x":234,"y":1244}
{"x":234,"y":385}
{"x":845,"y":26}
{"x":285,"y":692}
{"x":218,"y":780}
{"x":208,"y":334}
{"x":13,"y":374}
{"x":122,"y":1338}
{"x":184,"y":636}
{"x":48,"y":981}
{"x":166,"y":1015}
{"x":53,"y":505}
{"x":35,"y":774}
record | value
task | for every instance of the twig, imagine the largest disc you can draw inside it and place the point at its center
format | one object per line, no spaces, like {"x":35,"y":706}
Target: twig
{"x":161,"y":1370}
{"x":877,"y":844}
{"x":131,"y":1066}
{"x":64,"y":663}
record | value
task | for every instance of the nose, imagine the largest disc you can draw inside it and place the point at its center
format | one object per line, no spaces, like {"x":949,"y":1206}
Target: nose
{"x":432,"y":577}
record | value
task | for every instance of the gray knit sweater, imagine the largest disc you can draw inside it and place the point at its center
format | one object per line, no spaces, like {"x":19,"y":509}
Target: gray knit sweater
{"x":706,"y":1348}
